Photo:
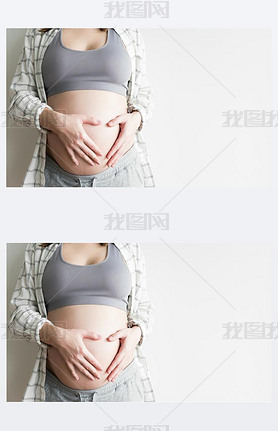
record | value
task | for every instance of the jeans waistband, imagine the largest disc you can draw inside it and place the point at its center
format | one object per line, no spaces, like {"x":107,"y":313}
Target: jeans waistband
{"x":125,"y":374}
{"x":125,"y":160}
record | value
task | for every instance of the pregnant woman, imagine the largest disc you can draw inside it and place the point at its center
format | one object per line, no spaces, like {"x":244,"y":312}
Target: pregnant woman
{"x":87,"y":307}
{"x":86,"y":91}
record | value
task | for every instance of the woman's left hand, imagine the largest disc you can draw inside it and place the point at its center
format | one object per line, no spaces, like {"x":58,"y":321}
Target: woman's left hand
{"x":129,"y":123}
{"x":129,"y":339}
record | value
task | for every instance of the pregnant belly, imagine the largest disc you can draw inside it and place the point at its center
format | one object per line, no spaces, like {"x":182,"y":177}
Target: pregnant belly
{"x":104,"y":105}
{"x":102,"y":319}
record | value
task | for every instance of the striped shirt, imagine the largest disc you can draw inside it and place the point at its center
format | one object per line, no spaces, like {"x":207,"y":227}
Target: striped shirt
{"x":28,"y":311}
{"x":28,"y":97}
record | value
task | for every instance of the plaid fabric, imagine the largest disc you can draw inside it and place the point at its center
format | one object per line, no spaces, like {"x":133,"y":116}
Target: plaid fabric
{"x":28,"y":311}
{"x":28,"y":97}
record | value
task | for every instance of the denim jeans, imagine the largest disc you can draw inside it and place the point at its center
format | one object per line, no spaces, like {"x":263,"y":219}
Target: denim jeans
{"x":126,"y":173}
{"x":126,"y":387}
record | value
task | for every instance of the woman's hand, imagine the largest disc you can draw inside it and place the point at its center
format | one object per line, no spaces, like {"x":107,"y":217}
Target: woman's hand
{"x":70,"y":130}
{"x":129,"y":123}
{"x":69,"y":343}
{"x":129,"y":338}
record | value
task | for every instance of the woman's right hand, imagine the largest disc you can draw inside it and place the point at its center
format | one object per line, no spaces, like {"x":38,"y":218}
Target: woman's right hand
{"x":69,"y":343}
{"x":70,"y":130}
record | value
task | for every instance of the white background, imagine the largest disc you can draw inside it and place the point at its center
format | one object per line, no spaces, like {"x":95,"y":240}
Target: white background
{"x":227,"y":215}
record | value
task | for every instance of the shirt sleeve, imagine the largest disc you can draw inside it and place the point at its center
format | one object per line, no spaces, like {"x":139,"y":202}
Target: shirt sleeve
{"x":25,"y":320}
{"x":25,"y":105}
{"x":143,"y":314}
{"x":144,"y":93}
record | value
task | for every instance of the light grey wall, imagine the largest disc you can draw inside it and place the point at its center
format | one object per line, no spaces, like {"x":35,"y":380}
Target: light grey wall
{"x":20,"y":354}
{"x":20,"y":140}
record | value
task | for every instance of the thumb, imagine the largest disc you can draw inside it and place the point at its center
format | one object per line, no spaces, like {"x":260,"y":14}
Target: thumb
{"x":90,"y":119}
{"x":91,"y":334}
{"x":117,"y":120}
{"x":118,"y":334}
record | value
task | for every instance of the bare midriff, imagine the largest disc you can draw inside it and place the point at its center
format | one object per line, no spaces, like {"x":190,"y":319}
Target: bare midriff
{"x":104,"y":320}
{"x":104,"y":105}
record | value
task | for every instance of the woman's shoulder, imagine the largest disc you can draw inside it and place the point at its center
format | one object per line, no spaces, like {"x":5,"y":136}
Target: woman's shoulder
{"x":34,"y":247}
{"x":31,"y":246}
{"x":33,"y":32}
{"x":131,"y":32}
{"x":30,"y":31}
{"x":133,"y":248}
{"x":36,"y":32}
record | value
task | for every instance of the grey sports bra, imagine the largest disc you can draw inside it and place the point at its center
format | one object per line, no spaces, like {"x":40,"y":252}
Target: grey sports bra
{"x":105,"y":68}
{"x":104,"y":283}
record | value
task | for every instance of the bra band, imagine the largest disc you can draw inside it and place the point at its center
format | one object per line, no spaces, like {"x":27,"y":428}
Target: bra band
{"x":105,"y":68}
{"x":104,"y":283}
